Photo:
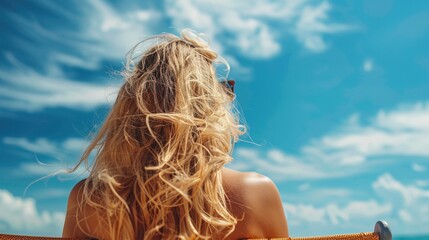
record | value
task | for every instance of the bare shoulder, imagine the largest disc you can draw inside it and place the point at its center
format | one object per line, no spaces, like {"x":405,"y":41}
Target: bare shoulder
{"x":263,"y":207}
{"x":76,"y":192}
{"x":74,"y":212}
{"x":249,"y":184}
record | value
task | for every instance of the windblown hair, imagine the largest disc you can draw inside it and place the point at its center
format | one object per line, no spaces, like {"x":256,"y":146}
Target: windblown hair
{"x":158,"y":155}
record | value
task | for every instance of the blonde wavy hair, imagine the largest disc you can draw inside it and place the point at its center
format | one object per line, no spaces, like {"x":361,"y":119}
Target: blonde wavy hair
{"x":158,"y":155}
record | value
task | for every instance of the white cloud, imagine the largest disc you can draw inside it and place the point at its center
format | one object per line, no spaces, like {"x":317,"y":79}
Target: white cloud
{"x":401,"y":132}
{"x":31,"y":91}
{"x":334,"y":218}
{"x":304,"y":187}
{"x":75,"y":144}
{"x":411,"y":202}
{"x":321,"y":195}
{"x":40,"y":145}
{"x":114,"y":32}
{"x":333,"y":214}
{"x":107,"y":33}
{"x":312,"y":24}
{"x":331,"y":193}
{"x":297,"y":213}
{"x":104,"y":34}
{"x":59,"y":169}
{"x":368,"y":65}
{"x":67,"y":152}
{"x":410,"y":194}
{"x":418,"y":168}
{"x":276,"y":164}
{"x":20,"y":215}
{"x":405,"y":215}
{"x":421,"y":183}
{"x":48,"y":147}
{"x":256,"y":29}
{"x":38,"y":169}
{"x":50,"y":193}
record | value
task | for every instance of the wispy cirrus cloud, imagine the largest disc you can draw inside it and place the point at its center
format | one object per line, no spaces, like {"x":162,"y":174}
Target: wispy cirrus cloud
{"x":47,"y":147}
{"x":346,"y":150}
{"x":94,"y":32}
{"x":65,"y":153}
{"x":280,"y":165}
{"x":90,"y":33}
{"x":32,"y":91}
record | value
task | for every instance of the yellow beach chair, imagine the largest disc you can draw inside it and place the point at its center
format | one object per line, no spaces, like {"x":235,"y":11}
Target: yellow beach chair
{"x":381,"y":232}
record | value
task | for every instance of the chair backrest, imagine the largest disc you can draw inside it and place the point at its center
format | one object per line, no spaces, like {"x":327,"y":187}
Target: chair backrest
{"x":381,"y":232}
{"x":22,"y":237}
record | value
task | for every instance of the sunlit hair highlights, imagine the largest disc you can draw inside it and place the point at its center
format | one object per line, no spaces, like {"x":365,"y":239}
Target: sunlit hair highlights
{"x":156,"y":172}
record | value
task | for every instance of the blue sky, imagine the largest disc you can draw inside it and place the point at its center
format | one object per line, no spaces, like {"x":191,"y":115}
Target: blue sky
{"x":334,"y":94}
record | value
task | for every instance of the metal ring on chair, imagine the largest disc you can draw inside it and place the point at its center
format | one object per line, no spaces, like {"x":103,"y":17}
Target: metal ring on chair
{"x":383,"y":230}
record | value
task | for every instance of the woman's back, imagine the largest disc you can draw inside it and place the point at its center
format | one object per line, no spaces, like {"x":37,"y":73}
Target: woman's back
{"x":252,"y":198}
{"x":158,"y":169}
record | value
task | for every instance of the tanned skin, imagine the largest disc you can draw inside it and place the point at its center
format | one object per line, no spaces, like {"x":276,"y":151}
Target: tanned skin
{"x":253,"y":199}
